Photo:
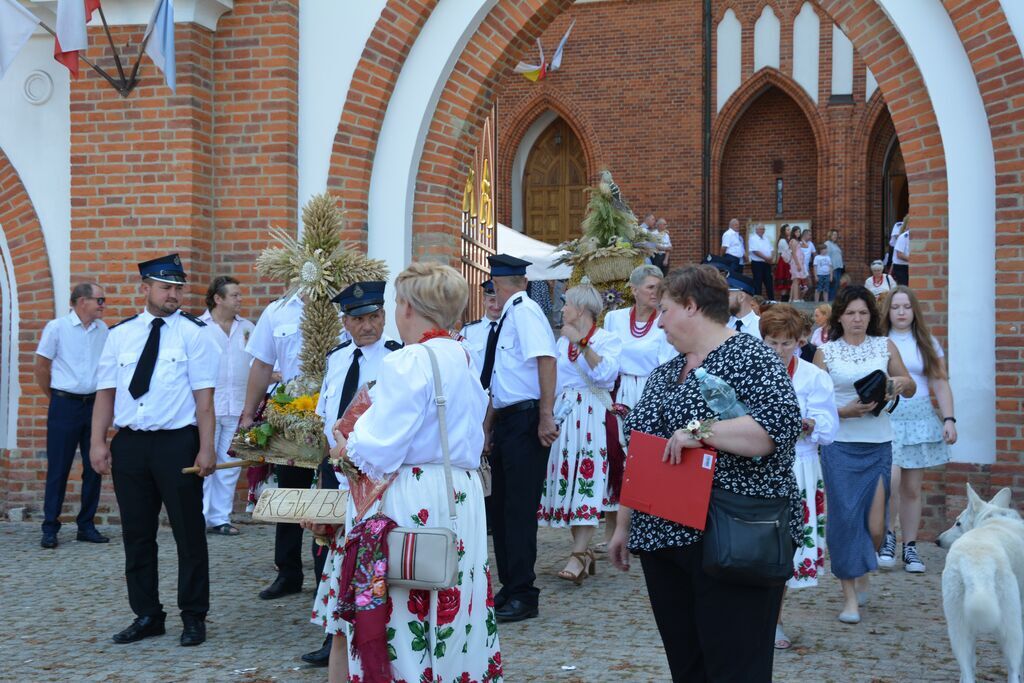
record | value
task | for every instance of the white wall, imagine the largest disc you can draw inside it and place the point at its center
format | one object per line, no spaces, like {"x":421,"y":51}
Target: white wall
{"x":519,"y":166}
{"x":10,"y":389}
{"x":870,"y":84}
{"x":729,"y":56}
{"x":767,"y":37}
{"x":332,"y":36}
{"x":37,"y":140}
{"x":842,"y":63}
{"x":970,"y":175}
{"x":806,"y":36}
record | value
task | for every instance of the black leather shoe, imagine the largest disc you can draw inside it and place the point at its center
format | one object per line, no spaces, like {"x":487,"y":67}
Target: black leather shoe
{"x":194,"y":632}
{"x":280,"y":588}
{"x":515,"y":610}
{"x":49,"y":541}
{"x":91,"y":536}
{"x":142,"y":627}
{"x":319,"y":657}
{"x":500,"y":601}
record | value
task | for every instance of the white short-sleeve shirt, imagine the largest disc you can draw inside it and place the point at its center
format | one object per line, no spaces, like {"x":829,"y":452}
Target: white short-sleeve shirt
{"x":229,"y":395}
{"x":277,"y":339}
{"x":732,"y":242}
{"x":902,"y":246}
{"x":761,"y":244}
{"x":188,"y":360}
{"x":525,"y":336}
{"x":74,"y":350}
{"x":822,"y":265}
{"x":339,"y":360}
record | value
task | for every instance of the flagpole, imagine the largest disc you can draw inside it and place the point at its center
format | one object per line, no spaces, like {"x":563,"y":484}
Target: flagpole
{"x":119,"y":87}
{"x":113,"y":48}
{"x":138,"y":61}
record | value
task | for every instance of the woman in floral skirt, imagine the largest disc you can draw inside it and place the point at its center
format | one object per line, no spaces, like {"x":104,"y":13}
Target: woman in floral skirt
{"x":397,"y":634}
{"x":781,"y":328}
{"x":588,"y":363}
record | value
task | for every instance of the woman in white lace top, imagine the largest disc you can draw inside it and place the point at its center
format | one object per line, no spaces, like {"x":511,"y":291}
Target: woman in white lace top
{"x":856,"y":466}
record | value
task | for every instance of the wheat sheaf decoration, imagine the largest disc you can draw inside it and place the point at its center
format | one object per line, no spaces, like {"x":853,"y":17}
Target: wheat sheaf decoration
{"x":316,"y":267}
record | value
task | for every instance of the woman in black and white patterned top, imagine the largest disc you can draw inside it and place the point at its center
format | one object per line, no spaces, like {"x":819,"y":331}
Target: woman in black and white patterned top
{"x":712,"y":630}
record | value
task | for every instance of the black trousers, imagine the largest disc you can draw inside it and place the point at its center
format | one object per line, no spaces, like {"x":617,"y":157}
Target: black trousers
{"x":518,"y":463}
{"x":762,"y":273}
{"x":328,"y":480}
{"x":712,"y":631}
{"x":901,"y":273}
{"x":146,"y":469}
{"x":68,"y":428}
{"x":288,"y":537}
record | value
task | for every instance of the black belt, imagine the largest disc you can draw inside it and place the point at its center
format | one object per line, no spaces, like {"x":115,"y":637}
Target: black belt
{"x":84,"y":398}
{"x":516,"y":408}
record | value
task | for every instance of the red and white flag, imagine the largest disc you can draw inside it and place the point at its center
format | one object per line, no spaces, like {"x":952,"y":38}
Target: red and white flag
{"x":72,"y":17}
{"x":16,"y":26}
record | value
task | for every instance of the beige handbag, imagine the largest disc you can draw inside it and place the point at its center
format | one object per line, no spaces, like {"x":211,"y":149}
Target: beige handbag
{"x":426,"y":558}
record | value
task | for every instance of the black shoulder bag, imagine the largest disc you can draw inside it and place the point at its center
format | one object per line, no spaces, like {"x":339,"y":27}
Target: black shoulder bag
{"x":747,"y":539}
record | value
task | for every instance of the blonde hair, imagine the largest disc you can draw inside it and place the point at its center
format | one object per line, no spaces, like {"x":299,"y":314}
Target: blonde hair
{"x":824,"y":309}
{"x":435,"y":291}
{"x":587,"y":298}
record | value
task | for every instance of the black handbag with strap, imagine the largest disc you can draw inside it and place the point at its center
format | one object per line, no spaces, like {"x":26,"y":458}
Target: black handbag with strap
{"x":747,"y":539}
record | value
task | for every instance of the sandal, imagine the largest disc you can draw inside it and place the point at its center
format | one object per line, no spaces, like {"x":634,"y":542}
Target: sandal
{"x":601,"y":547}
{"x":586,"y":560}
{"x":781,"y":641}
{"x":223,"y":530}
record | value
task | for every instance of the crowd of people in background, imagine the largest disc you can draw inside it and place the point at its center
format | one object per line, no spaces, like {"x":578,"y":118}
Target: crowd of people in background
{"x":556,"y":414}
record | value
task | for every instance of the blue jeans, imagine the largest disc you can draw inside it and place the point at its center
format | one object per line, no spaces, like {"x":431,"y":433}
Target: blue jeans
{"x":68,"y":427}
{"x":837,"y":273}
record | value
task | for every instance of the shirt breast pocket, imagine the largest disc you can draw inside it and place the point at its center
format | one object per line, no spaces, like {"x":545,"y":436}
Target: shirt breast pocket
{"x":171,"y":364}
{"x":285,"y":337}
{"x":126,"y":363}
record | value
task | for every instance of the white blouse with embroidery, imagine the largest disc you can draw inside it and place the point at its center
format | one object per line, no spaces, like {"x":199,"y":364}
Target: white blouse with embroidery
{"x":604,"y":344}
{"x":846,"y":364}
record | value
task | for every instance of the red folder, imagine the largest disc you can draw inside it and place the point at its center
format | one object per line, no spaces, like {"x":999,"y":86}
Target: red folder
{"x":679,"y":493}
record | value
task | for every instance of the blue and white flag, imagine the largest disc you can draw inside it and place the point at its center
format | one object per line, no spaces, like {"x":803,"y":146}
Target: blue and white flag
{"x":160,"y":40}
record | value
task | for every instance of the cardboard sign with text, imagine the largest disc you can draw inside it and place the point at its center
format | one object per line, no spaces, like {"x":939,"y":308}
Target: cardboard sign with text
{"x":323,"y":506}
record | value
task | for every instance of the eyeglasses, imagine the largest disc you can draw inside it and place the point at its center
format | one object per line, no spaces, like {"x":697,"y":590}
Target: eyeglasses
{"x":100,"y":300}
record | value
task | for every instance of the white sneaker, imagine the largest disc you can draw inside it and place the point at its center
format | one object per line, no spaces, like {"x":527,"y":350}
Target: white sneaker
{"x":911,"y":562}
{"x":887,"y":556}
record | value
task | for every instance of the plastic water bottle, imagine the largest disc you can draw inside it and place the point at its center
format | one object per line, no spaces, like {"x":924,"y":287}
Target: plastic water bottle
{"x":719,"y":396}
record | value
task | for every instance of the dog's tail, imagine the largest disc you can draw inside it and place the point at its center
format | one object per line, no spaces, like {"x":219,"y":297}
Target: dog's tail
{"x":981,"y":606}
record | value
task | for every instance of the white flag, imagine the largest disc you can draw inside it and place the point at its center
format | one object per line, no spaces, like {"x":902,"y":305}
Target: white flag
{"x":71,"y":25}
{"x":16,"y":26}
{"x":160,"y":43}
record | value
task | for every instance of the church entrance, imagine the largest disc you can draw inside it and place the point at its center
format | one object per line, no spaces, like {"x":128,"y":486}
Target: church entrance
{"x":553,"y":185}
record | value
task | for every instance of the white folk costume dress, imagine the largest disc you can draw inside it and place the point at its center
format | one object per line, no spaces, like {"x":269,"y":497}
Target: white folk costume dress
{"x":447,"y":635}
{"x":816,"y":396}
{"x":574,"y":488}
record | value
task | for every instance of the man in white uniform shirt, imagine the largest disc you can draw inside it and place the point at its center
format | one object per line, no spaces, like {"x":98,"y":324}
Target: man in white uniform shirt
{"x":276,"y":341}
{"x":155,"y":385}
{"x":663,"y":251}
{"x":350,"y":365}
{"x":901,"y":258}
{"x":477,"y":332}
{"x":66,"y":361}
{"x":732,"y":246}
{"x":231,"y":333}
{"x":761,"y":262}
{"x":743,"y":318}
{"x":519,"y":370}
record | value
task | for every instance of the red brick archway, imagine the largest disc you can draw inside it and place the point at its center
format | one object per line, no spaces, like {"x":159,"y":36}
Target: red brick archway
{"x":36,"y":305}
{"x":733,"y":111}
{"x":522,"y":117}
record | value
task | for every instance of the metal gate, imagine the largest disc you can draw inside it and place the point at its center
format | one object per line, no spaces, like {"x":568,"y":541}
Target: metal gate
{"x":479,"y":222}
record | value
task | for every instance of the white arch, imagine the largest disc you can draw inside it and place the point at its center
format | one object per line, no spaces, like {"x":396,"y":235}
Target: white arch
{"x":519,"y":166}
{"x":806,"y":49}
{"x":728,"y":59}
{"x":842,"y":63}
{"x":400,"y":145}
{"x":767,"y":40}
{"x":10,"y":387}
{"x":970,"y":175}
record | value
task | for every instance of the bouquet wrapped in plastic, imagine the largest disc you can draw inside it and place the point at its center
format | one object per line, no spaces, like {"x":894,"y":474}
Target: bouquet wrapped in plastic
{"x":363,"y":490}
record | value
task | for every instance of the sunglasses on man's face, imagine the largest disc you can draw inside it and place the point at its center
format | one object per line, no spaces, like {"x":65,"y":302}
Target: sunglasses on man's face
{"x":100,"y":300}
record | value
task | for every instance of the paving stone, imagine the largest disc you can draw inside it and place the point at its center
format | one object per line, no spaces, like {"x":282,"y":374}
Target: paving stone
{"x":61,"y":606}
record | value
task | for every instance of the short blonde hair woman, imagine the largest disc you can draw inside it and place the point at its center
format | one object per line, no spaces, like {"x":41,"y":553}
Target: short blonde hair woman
{"x":400,"y":435}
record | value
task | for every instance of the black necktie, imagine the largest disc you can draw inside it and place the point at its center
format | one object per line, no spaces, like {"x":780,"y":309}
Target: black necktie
{"x":147,"y":361}
{"x":492,"y":349}
{"x":351,"y":383}
{"x":739,"y":325}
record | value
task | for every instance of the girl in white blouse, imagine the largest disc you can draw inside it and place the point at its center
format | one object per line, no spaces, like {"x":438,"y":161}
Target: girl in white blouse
{"x":574,"y":488}
{"x":400,"y":433}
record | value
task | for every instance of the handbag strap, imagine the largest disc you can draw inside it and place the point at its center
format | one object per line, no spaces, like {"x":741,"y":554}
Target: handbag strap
{"x":441,"y":402}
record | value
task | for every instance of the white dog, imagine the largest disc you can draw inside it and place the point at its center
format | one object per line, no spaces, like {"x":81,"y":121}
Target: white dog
{"x":983,"y":582}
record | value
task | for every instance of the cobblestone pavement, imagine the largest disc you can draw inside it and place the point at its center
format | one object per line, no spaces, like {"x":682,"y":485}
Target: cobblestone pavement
{"x":61,"y":607}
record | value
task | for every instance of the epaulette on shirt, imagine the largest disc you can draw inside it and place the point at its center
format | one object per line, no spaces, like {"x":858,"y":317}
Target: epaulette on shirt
{"x":339,"y":346}
{"x":189,"y":316}
{"x":392,"y":345}
{"x":124,"y":321}
{"x":518,"y":300}
{"x":472,"y":323}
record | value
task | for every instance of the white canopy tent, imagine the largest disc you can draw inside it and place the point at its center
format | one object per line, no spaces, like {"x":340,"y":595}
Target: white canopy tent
{"x":541,"y":254}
